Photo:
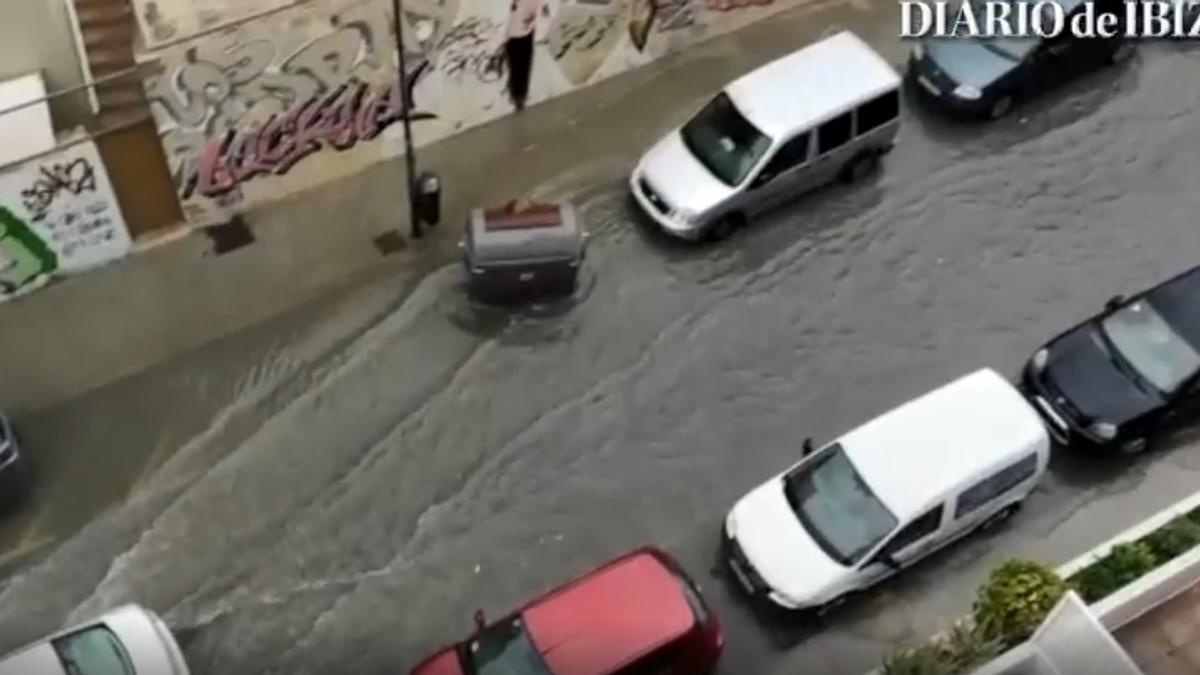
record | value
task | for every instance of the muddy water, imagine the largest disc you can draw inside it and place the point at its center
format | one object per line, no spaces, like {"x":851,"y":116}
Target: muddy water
{"x":340,"y":489}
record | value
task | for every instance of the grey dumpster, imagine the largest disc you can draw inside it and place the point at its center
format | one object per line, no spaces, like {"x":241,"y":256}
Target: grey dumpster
{"x":523,"y":250}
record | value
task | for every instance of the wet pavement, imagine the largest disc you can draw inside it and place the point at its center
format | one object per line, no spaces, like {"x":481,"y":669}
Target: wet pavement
{"x":336,"y":491}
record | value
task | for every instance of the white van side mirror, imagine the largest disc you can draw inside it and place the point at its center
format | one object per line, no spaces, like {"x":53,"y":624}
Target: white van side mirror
{"x":765,"y":176}
{"x":808,"y":447}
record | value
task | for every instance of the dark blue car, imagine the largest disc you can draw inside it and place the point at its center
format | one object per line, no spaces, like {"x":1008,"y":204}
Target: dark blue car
{"x":1118,"y":379}
{"x":980,"y":77}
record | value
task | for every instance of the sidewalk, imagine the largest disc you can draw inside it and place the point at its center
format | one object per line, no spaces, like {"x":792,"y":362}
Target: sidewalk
{"x":90,"y":330}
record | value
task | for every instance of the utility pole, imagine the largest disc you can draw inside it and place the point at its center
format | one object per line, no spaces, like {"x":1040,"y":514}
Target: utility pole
{"x":410,"y":160}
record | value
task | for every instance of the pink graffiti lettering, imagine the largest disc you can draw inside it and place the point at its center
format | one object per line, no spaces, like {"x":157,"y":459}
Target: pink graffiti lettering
{"x":352,"y":113}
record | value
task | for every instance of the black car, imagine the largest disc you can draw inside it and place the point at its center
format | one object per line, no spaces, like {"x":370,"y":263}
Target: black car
{"x":13,"y":478}
{"x":985,"y":77}
{"x":1114,"y":380}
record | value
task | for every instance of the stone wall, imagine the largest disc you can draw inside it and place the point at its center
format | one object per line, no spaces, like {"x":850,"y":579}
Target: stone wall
{"x":253,"y":109}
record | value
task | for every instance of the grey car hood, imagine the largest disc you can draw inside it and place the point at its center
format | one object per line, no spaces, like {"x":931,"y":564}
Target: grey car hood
{"x":968,"y":62}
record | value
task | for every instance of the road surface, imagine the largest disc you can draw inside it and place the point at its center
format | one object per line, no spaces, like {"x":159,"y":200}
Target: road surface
{"x":337,"y":490}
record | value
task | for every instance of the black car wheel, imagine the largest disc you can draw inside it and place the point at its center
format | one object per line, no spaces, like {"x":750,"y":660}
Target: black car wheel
{"x":725,"y":226}
{"x":1134,"y":446}
{"x":1000,"y":106}
{"x":1122,"y":52}
{"x":863,"y":165}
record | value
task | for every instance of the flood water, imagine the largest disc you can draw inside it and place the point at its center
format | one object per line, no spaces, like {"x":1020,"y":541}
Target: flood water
{"x":338,"y":490}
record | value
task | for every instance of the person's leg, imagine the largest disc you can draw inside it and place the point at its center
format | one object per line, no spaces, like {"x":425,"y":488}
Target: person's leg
{"x":520,"y":64}
{"x":510,"y":56}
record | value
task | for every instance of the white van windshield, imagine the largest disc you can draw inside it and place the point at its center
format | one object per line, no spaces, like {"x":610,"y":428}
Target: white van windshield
{"x":94,"y":651}
{"x":724,"y":141}
{"x":837,"y":508}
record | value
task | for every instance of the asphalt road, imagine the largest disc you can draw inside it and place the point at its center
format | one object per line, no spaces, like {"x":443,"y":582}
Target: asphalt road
{"x":336,"y":491}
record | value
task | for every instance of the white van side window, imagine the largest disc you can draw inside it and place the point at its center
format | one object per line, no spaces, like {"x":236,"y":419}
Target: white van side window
{"x":878,"y":112}
{"x":834,"y":134}
{"x":995,"y":485}
{"x":791,"y":155}
{"x":922,"y":527}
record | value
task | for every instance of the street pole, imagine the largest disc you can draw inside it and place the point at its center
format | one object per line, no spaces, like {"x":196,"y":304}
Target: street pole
{"x":410,"y":160}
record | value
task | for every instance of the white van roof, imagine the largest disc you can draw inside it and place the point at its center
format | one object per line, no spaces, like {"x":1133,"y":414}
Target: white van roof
{"x":812,"y":84}
{"x":912,"y":455}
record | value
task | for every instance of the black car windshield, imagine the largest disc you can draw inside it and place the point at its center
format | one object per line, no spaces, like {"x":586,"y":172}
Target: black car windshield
{"x":837,"y":507}
{"x":94,"y":651}
{"x":724,"y":141}
{"x":504,"y":649}
{"x":1145,"y":340}
{"x":1013,"y":48}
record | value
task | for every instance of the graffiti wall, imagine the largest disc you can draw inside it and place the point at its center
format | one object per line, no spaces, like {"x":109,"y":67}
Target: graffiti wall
{"x":166,"y":20}
{"x":306,"y":94}
{"x":58,"y":215}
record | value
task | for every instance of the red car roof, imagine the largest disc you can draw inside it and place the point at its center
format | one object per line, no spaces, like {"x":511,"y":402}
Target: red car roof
{"x":445,"y":662}
{"x":597,"y":624}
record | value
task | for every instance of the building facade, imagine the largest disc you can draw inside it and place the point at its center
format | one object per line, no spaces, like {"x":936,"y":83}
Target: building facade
{"x":255,"y":100}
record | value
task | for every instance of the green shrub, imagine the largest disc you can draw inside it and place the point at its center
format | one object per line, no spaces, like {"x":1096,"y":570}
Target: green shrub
{"x":957,"y":651}
{"x":1123,"y":564}
{"x":1194,"y":515}
{"x":967,"y":647}
{"x":927,"y":659}
{"x":1173,"y":539}
{"x":1015,"y":599}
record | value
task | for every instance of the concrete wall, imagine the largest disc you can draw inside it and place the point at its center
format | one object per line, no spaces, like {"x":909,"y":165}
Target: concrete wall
{"x":36,"y":35}
{"x":258,"y":110}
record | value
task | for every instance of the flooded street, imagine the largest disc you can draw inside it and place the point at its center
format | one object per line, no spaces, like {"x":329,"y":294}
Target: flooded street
{"x":336,"y":491}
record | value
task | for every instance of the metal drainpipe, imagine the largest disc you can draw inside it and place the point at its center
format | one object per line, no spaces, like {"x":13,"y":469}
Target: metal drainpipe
{"x":410,"y":160}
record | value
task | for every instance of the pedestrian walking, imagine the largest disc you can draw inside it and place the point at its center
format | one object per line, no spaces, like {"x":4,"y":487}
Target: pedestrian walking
{"x":518,"y":48}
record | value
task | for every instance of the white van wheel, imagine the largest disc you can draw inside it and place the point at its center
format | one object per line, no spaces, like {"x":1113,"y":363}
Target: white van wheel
{"x":1001,"y":516}
{"x":830,"y":607}
{"x":861,"y":166}
{"x":725,"y":226}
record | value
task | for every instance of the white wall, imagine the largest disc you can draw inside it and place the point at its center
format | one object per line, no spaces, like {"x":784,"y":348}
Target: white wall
{"x":26,"y":130}
{"x":35,"y":36}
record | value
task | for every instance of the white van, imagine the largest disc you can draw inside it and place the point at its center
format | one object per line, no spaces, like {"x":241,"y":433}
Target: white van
{"x":830,"y":109}
{"x":129,"y":640}
{"x":889,"y":493}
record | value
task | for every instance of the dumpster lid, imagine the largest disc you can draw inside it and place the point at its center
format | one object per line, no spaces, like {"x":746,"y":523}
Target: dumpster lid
{"x":524,"y":231}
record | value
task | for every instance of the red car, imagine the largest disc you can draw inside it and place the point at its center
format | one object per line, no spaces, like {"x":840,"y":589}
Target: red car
{"x":638,"y":615}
